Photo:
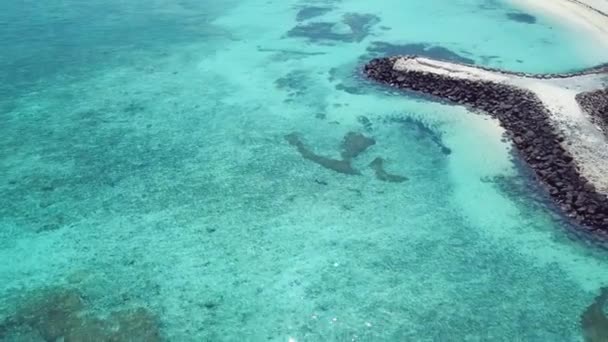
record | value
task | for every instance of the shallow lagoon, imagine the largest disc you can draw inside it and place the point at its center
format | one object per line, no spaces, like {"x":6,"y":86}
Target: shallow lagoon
{"x":145,"y":161}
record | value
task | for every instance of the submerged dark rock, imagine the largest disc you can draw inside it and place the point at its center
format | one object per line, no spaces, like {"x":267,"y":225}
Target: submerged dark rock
{"x":352,"y":145}
{"x":424,"y":131}
{"x":318,"y":31}
{"x":527,"y":121}
{"x":320,"y":182}
{"x":360,"y":24}
{"x":311,"y":12}
{"x":378,"y":166}
{"x":355,"y":144}
{"x":349,"y":89}
{"x":354,"y":27}
{"x":296,"y":82}
{"x":341,"y":166}
{"x":63,"y":315}
{"x":522,"y":17}
{"x":363,"y":120}
{"x":489,"y":5}
{"x":594,"y":321}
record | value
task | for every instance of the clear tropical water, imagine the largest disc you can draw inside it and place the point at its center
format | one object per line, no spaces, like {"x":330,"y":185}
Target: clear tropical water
{"x":144,"y":164}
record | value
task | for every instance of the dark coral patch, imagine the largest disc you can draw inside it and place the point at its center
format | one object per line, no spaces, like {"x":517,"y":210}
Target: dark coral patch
{"x":360,"y":24}
{"x":489,"y":5}
{"x":365,"y":122}
{"x":300,"y":87}
{"x":349,"y":89}
{"x":347,"y":80}
{"x":594,"y":321}
{"x":378,"y":166}
{"x":287,"y":54}
{"x":316,"y":32}
{"x":522,"y":17}
{"x":354,"y":27}
{"x":354,"y":144}
{"x":294,"y":81}
{"x":311,"y":12}
{"x":424,"y":131}
{"x":63,"y":315}
{"x":341,"y":166}
{"x":418,"y":49}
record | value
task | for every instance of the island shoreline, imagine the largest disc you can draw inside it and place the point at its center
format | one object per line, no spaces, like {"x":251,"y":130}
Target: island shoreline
{"x":588,"y":17}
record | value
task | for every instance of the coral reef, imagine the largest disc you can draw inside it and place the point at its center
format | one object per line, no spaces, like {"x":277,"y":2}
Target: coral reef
{"x":341,"y":166}
{"x":355,"y":144}
{"x":63,"y":315}
{"x":424,"y":130}
{"x":594,"y":321}
{"x":522,"y":17}
{"x":354,"y":27}
{"x":352,"y":145}
{"x":378,"y":166}
{"x":310,"y":12}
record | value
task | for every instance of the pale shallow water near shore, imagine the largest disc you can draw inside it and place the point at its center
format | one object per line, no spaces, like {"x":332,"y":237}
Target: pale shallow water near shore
{"x":145,"y":161}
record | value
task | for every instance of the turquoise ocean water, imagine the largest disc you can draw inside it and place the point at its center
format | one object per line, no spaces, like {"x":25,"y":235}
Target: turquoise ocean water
{"x":144,"y":165}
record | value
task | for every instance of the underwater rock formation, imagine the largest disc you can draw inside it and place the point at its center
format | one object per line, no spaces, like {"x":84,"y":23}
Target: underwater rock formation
{"x":594,"y":321}
{"x":527,"y":121}
{"x":425,"y":131}
{"x":63,"y":315}
{"x":378,"y":166}
{"x":341,"y":166}
{"x":365,"y":122}
{"x":310,"y":12}
{"x":355,"y":144}
{"x":522,"y":17}
{"x":354,"y":27}
{"x":352,"y":145}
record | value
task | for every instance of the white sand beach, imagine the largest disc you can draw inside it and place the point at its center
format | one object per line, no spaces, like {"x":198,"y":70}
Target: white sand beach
{"x":589,"y":17}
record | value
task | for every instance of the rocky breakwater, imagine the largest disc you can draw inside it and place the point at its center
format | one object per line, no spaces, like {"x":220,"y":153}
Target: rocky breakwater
{"x":595,"y":103}
{"x":528,"y":123}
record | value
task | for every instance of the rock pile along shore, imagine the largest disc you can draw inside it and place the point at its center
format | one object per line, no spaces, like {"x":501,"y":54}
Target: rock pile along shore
{"x":596,"y":104}
{"x":527,"y":122}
